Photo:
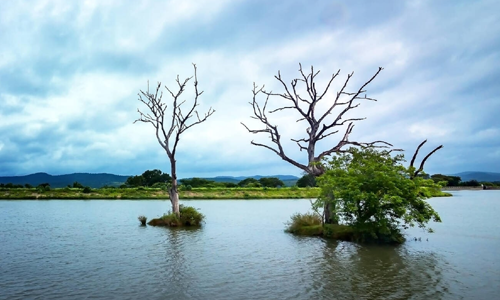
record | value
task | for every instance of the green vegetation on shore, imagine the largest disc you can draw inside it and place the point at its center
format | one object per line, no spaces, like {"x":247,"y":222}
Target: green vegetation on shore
{"x":158,"y":193}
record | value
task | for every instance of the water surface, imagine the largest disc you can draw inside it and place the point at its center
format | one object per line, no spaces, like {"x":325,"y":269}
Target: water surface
{"x":77,"y":249}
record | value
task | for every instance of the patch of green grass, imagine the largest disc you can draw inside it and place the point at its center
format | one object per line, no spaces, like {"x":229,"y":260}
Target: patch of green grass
{"x":189,"y":216}
{"x":304,"y":224}
{"x":158,"y":193}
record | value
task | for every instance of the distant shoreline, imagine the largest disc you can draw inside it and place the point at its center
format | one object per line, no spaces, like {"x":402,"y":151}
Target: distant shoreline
{"x":159,"y":194}
{"x":468,"y":188}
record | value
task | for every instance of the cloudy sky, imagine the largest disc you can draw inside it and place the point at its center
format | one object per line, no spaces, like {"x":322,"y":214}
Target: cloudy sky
{"x":70,"y":72}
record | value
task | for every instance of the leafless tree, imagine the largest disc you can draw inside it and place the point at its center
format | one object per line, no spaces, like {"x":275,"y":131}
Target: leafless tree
{"x":421,"y":167}
{"x":320,"y":124}
{"x":168,"y":129}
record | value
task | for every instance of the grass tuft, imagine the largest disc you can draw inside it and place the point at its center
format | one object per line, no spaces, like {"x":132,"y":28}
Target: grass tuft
{"x":189,"y":217}
{"x":304,"y":224}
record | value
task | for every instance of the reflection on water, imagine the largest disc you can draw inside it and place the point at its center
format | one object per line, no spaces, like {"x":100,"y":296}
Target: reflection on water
{"x":343,"y":270}
{"x":376,"y":272}
{"x":242,"y":252}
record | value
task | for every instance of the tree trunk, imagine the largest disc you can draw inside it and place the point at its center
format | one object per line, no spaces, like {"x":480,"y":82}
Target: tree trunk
{"x":329,"y":213}
{"x":173,"y":194}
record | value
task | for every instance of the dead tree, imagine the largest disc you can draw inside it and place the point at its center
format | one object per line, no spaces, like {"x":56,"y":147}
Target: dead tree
{"x":320,"y":125}
{"x":168,"y":129}
{"x":414,"y":170}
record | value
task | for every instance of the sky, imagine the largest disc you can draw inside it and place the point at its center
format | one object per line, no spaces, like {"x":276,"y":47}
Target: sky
{"x":71,"y":71}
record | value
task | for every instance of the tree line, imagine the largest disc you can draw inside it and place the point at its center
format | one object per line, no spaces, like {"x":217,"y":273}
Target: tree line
{"x":446,"y":180}
{"x":158,"y":179}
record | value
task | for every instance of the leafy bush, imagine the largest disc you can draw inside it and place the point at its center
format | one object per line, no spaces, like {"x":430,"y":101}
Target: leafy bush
{"x":87,"y":190}
{"x":372,"y":192}
{"x":307,"y":180}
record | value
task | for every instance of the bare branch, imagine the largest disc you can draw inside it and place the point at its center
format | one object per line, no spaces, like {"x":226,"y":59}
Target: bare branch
{"x":167,"y":130}
{"x":421,"y":167}
{"x":416,"y":153}
{"x":306,"y":107}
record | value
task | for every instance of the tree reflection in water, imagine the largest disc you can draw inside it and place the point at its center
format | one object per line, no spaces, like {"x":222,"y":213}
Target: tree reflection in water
{"x":354,"y":271}
{"x":179,"y":268}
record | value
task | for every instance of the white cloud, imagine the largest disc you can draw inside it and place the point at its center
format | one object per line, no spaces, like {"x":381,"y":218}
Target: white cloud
{"x":73,"y":70}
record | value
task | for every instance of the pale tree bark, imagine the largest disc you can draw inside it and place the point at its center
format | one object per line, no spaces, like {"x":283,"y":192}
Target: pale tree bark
{"x":319,"y":124}
{"x":168,"y":129}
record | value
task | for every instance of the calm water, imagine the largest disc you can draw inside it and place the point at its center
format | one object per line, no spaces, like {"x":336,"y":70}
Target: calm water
{"x":97,"y":250}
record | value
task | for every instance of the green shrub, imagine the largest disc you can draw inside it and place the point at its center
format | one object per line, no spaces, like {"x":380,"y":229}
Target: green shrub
{"x":142,"y":219}
{"x":185,"y":187}
{"x":304,"y":222}
{"x":338,"y":232}
{"x":87,"y":190}
{"x":78,"y":185}
{"x":189,"y":217}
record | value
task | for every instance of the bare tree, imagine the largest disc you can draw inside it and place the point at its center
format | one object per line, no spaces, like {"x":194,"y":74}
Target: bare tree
{"x":421,"y":167}
{"x":169,"y":129}
{"x":319,"y":125}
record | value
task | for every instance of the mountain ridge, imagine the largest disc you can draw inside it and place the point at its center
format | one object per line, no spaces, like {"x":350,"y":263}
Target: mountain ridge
{"x":97,"y":180}
{"x":479,"y":176}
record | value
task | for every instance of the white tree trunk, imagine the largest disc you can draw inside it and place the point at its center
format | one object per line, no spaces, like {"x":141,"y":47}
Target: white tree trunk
{"x":173,"y":194}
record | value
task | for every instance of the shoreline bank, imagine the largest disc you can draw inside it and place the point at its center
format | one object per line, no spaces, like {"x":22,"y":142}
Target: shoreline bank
{"x":159,"y":194}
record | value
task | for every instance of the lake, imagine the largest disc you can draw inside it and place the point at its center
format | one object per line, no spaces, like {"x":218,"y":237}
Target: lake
{"x":77,"y":249}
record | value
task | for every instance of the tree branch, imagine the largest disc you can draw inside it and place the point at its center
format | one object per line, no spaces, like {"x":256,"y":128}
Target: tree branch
{"x":318,"y":129}
{"x":421,"y":167}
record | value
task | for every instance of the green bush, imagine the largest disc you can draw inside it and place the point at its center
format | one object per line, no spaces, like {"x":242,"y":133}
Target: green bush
{"x":159,"y":185}
{"x":304,"y":223}
{"x":142,"y":219}
{"x":185,"y":187}
{"x":189,"y":217}
{"x":338,"y":232}
{"x":87,"y":190}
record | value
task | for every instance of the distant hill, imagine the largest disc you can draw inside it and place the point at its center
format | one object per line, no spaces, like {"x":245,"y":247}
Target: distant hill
{"x":479,"y":176}
{"x":102,"y":179}
{"x":86,"y":179}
